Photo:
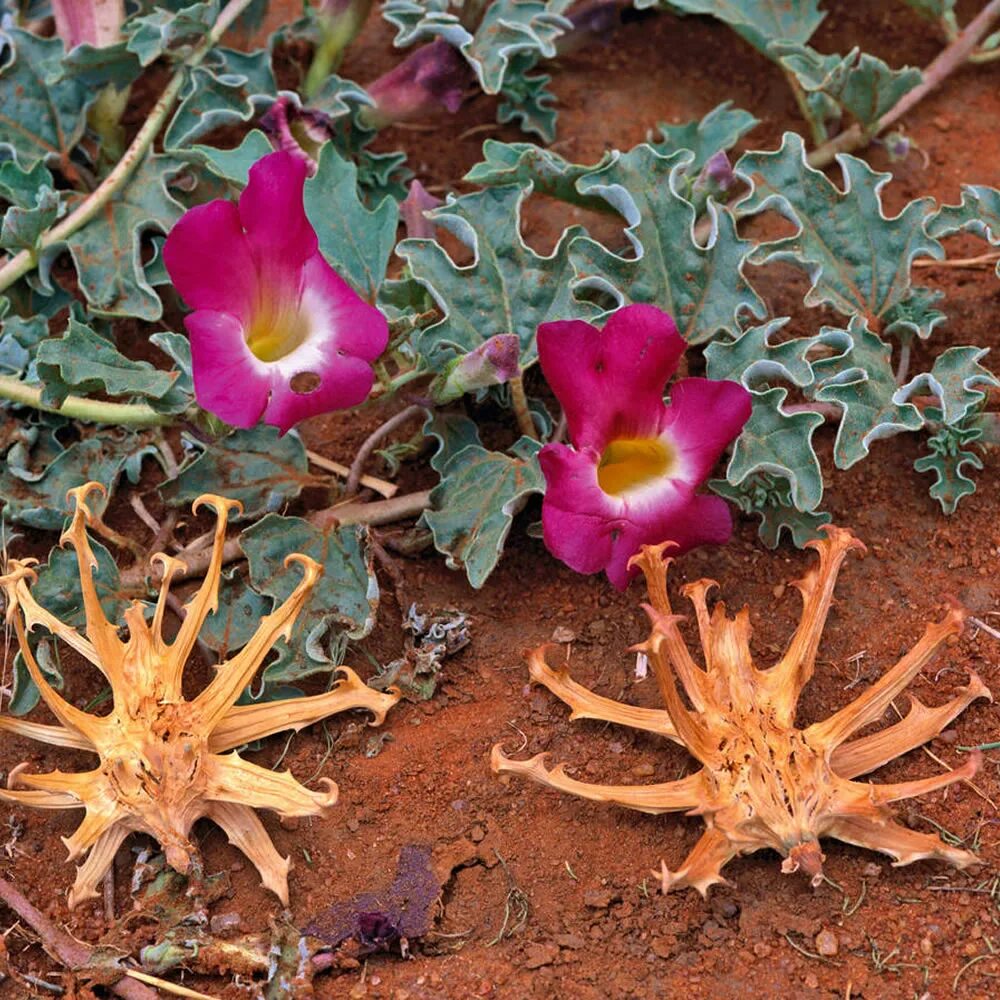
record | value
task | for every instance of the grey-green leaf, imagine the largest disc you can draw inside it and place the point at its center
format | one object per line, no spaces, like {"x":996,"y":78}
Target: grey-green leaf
{"x":760,"y":22}
{"x":978,"y":212}
{"x":751,"y":358}
{"x":719,"y":130}
{"x":770,"y":498}
{"x":955,"y":379}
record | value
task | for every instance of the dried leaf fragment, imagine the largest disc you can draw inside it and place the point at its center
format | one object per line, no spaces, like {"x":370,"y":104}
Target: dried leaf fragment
{"x":162,"y":760}
{"x":763,"y":782}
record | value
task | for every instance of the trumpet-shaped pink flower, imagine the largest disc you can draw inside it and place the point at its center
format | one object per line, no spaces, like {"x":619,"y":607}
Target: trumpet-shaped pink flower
{"x":631,"y":476}
{"x":276,"y":332}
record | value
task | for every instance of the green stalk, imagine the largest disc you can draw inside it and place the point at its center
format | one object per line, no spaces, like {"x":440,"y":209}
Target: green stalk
{"x":26,"y":261}
{"x":79,"y":408}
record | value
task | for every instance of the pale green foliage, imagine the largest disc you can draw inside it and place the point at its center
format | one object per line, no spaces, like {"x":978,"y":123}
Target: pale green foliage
{"x":760,"y":22}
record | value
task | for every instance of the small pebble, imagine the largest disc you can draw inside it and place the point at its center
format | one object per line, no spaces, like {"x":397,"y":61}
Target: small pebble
{"x":225,"y":923}
{"x":827,"y":943}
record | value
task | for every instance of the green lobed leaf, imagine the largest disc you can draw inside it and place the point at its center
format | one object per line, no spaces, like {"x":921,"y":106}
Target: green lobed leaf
{"x":83,"y":362}
{"x":453,"y":432}
{"x":857,"y":258}
{"x":22,"y":187}
{"x":39,"y":499}
{"x":915,"y":315}
{"x":954,"y":380}
{"x":770,"y":498}
{"x":719,"y":130}
{"x":507,"y":289}
{"x":978,"y":212}
{"x":107,"y":251}
{"x":702,"y":287}
{"x":42,"y":114}
{"x":751,"y":357}
{"x":527,"y":100}
{"x":19,"y":338}
{"x":98,"y":66}
{"x":262,"y":469}
{"x":23,"y":227}
{"x":356,"y":241}
{"x":233,"y":623}
{"x":760,"y":22}
{"x":507,"y":28}
{"x":535,"y":169}
{"x":948,"y":459}
{"x":148,"y":36}
{"x":779,"y":444}
{"x":858,"y":83}
{"x":860,"y":379}
{"x":228,"y":88}
{"x":345,"y":601}
{"x":474,"y":505}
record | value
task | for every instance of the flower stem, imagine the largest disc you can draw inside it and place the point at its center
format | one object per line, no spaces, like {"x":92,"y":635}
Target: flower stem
{"x":22,"y":263}
{"x":525,"y":421}
{"x":947,"y":61}
{"x":79,"y":408}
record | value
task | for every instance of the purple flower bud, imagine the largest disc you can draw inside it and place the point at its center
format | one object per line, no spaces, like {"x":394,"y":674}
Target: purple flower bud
{"x":296,"y":130}
{"x":593,"y":23}
{"x":492,"y":363}
{"x":412,"y":209}
{"x":715,"y":179}
{"x":431,"y":77}
{"x":91,"y":22}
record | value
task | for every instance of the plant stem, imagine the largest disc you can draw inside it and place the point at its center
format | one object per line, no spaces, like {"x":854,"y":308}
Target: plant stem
{"x":79,"y":408}
{"x":25,"y":261}
{"x":71,"y":953}
{"x":372,"y":441}
{"x":520,"y":403}
{"x":816,"y":127}
{"x":947,"y":61}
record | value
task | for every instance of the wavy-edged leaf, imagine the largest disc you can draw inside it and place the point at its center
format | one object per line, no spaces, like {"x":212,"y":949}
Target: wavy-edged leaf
{"x":949,"y":459}
{"x":107,"y":251}
{"x":23,"y":227}
{"x":260,"y":467}
{"x":752,"y":357}
{"x":702,"y":287}
{"x":355,"y":240}
{"x":978,"y":212}
{"x":507,"y":289}
{"x":857,"y":258}
{"x":915,"y":315}
{"x":779,"y":444}
{"x":955,"y":379}
{"x":718,"y":131}
{"x":860,"y":380}
{"x":526,"y":100}
{"x":228,"y":88}
{"x":42,"y":113}
{"x":148,"y":36}
{"x":760,"y":22}
{"x":474,"y":505}
{"x":234,"y":164}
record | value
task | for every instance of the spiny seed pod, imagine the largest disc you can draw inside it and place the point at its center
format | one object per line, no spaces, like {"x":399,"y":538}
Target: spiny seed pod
{"x":763,"y":782}
{"x":162,"y":760}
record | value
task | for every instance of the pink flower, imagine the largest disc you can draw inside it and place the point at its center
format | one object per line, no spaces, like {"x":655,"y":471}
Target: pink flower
{"x":268,"y":307}
{"x":91,"y":22}
{"x":630,"y":478}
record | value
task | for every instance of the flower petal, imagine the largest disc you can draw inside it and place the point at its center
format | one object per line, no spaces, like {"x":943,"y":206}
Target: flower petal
{"x":702,"y":418}
{"x":272,"y":212}
{"x":610,"y":382}
{"x":228,"y":380}
{"x":209,"y":260}
{"x":590,"y":530}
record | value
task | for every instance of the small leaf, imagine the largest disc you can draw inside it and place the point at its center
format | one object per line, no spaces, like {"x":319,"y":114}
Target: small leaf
{"x":18,"y":341}
{"x":229,"y":88}
{"x":859,"y":379}
{"x":237,"y":617}
{"x":262,"y":469}
{"x":22,"y":187}
{"x":507,"y":289}
{"x":474,"y":505}
{"x":718,"y":131}
{"x":779,"y":444}
{"x":858,"y":83}
{"x":83,"y":362}
{"x":770,"y":498}
{"x":954,"y":380}
{"x":751,"y":357}
{"x":858,"y":259}
{"x":107,"y":251}
{"x":357,"y":242}
{"x":703,"y":288}
{"x":948,"y":459}
{"x":345,"y":600}
{"x":915,"y":315}
{"x":42,"y":114}
{"x":22,"y":227}
{"x":150,"y":35}
{"x":527,"y":100}
{"x":453,"y":433}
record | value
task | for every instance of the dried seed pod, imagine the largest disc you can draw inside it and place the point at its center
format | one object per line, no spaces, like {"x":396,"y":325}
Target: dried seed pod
{"x":162,"y":760}
{"x":763,"y":782}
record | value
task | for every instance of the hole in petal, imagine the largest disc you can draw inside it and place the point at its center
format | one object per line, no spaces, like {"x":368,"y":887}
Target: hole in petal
{"x":305,"y":382}
{"x":627,"y":463}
